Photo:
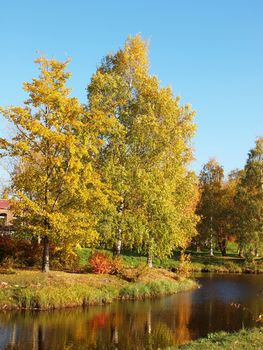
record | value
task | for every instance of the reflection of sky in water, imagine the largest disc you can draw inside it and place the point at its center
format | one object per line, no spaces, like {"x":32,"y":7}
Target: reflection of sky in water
{"x":140,"y":325}
{"x":222,"y":290}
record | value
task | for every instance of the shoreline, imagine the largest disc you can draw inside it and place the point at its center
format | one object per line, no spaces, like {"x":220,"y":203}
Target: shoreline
{"x":34,"y":290}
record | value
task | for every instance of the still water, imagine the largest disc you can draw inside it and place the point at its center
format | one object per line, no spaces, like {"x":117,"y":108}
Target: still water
{"x":149,"y":324}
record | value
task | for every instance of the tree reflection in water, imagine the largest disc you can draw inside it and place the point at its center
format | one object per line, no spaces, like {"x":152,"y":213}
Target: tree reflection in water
{"x":139,"y":324}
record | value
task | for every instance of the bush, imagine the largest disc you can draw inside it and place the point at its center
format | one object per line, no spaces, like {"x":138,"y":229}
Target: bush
{"x":185,"y":266}
{"x":27,"y":253}
{"x":22,"y":251}
{"x":134,"y":274}
{"x":65,"y":258}
{"x":232,"y":267}
{"x":7,"y":247}
{"x":116,"y":265}
{"x":100,"y":263}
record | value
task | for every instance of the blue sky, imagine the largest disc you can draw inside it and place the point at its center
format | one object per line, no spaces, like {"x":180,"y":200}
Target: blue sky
{"x":209,"y":51}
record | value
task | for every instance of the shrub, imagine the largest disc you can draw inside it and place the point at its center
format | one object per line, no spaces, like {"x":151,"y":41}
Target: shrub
{"x":232,"y":267}
{"x":65,"y":258}
{"x":116,"y":265}
{"x":27,"y":253}
{"x":7,"y":247}
{"x":22,"y":251}
{"x":8,"y":262}
{"x":185,"y":266}
{"x":134,"y":274}
{"x":100,"y":263}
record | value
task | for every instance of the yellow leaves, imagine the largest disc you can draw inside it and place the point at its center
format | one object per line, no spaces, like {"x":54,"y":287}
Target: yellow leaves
{"x":49,"y":89}
{"x":145,"y":157}
{"x":122,"y":158}
{"x":4,"y":145}
{"x":60,"y":193}
{"x":135,"y":55}
{"x":53,"y":69}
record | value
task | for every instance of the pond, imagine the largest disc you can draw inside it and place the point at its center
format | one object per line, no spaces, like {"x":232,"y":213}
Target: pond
{"x":224,"y":302}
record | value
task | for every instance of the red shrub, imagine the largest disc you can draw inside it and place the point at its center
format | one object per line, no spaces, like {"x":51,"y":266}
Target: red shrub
{"x":100,"y":263}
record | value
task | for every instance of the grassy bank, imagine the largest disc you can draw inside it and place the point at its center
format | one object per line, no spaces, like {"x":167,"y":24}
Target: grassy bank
{"x":250,"y":339}
{"x":224,"y":265}
{"x":35,"y":290}
{"x":217,"y":264}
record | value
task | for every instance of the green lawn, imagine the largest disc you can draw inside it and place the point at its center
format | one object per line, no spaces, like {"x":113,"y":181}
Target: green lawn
{"x":250,"y":339}
{"x":200,"y":262}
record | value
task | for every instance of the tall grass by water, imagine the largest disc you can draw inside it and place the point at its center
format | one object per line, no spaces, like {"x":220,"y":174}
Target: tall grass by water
{"x":35,"y":290}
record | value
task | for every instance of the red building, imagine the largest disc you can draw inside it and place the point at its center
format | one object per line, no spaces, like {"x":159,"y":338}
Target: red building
{"x":6,"y":214}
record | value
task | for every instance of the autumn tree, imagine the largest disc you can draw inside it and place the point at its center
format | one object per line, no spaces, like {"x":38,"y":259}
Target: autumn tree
{"x":57,"y":189}
{"x":219,"y":214}
{"x":146,"y":153}
{"x":109,"y":96}
{"x":232,"y":210}
{"x":249,"y":202}
{"x":210,"y":186}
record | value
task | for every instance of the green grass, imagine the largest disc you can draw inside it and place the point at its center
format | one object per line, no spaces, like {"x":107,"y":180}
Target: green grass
{"x":155,"y":288}
{"x":36,"y":290}
{"x":250,"y":339}
{"x":200,"y":262}
{"x":232,"y":248}
{"x":130,"y":259}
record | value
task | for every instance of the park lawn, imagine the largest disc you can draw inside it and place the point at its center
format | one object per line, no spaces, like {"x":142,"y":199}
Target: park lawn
{"x":249,"y":339}
{"x":36,"y":290}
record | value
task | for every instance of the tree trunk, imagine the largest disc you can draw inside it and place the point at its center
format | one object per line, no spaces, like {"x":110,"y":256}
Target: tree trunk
{"x":45,"y":259}
{"x":240,"y":252}
{"x":211,"y":245}
{"x":223,"y":251}
{"x":222,"y":247}
{"x":118,"y":244}
{"x":211,"y":237}
{"x":117,"y":248}
{"x":149,"y":260}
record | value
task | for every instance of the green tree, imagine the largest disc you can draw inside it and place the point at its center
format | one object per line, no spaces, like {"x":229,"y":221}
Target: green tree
{"x":249,"y":201}
{"x":58,"y":191}
{"x":146,"y":153}
{"x":211,"y":204}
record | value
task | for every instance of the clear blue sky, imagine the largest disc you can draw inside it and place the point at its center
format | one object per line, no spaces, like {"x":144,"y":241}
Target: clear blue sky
{"x":209,"y":51}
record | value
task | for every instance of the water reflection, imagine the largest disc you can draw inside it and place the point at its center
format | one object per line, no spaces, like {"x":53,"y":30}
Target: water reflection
{"x":150,"y":324}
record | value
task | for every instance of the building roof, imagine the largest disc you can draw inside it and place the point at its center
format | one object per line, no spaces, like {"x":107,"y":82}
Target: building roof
{"x":4,"y":204}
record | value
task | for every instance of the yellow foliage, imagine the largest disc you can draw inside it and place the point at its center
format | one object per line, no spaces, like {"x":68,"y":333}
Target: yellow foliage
{"x":58,"y":190}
